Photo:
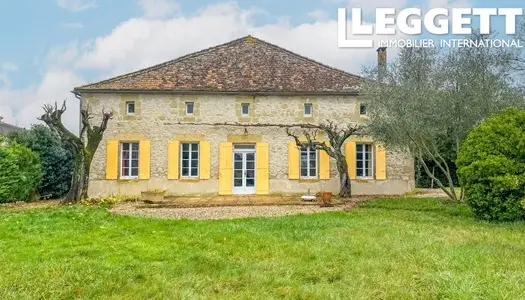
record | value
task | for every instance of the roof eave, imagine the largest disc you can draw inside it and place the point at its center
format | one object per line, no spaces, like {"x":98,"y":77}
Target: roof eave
{"x":194,"y":92}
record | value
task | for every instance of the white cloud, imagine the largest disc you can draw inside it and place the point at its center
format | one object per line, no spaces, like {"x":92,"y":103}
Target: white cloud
{"x":77,"y":5}
{"x":318,"y":15}
{"x":369,"y":6}
{"x":5,"y":69}
{"x":158,"y":8}
{"x":142,"y":42}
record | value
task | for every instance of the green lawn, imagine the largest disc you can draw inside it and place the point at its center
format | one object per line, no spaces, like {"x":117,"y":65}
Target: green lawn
{"x":386,"y":249}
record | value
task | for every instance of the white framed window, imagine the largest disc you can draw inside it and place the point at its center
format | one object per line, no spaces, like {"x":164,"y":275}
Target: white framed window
{"x":364,"y":160}
{"x":309,"y":163}
{"x":245,"y":109}
{"x":129,"y":160}
{"x":308,"y":109}
{"x":189,"y":108}
{"x":189,"y":166}
{"x":130,"y":107}
{"x":362,"y":109}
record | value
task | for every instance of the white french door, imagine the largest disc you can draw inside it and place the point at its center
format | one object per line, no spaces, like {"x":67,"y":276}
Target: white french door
{"x":244,"y":169}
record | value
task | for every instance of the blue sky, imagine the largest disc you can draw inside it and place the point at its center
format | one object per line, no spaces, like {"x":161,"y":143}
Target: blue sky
{"x":50,"y":46}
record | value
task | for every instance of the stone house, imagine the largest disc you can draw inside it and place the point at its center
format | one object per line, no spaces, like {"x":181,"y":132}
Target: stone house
{"x":6,"y":128}
{"x":164,"y":134}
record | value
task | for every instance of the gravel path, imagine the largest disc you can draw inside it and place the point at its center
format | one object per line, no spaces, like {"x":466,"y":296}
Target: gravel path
{"x":224,"y":212}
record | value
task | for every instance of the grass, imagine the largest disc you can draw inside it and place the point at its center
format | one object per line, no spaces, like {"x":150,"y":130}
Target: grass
{"x":386,"y":249}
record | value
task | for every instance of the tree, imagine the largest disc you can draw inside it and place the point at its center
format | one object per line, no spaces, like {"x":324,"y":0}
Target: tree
{"x":491,"y":167}
{"x":57,"y":162}
{"x":82,"y":147}
{"x":430,"y":99}
{"x":20,"y":172}
{"x":337,"y":135}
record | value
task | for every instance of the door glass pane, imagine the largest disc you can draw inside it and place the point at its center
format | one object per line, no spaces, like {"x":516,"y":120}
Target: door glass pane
{"x":238,"y":165}
{"x":250,"y":165}
{"x":250,"y":156}
{"x":250,"y":174}
{"x":250,"y":182}
{"x":237,"y":157}
{"x":237,"y":182}
{"x":237,"y":174}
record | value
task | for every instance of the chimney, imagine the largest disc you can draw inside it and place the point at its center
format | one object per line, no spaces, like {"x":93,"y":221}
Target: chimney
{"x":381,"y":63}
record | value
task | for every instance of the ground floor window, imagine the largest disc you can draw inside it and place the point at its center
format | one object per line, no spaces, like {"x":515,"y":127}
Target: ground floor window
{"x":129,"y":160}
{"x":189,"y":160}
{"x":308,"y":163}
{"x":364,"y":160}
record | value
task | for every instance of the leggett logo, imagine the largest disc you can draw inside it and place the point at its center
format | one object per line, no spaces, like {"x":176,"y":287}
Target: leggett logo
{"x":437,"y":21}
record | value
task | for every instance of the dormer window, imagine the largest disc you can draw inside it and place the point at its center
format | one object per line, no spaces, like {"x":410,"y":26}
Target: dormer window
{"x":130,"y":107}
{"x":308,"y":109}
{"x":189,"y":108}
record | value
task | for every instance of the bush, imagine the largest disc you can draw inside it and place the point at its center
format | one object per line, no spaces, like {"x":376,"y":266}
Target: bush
{"x":491,"y":167}
{"x":57,"y":162}
{"x":20,"y":172}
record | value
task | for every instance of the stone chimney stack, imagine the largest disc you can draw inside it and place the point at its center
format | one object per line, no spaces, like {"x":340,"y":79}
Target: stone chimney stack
{"x":381,"y":63}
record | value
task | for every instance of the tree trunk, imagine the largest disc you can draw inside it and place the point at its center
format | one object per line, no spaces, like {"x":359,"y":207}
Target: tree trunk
{"x":345,"y":185}
{"x":80,"y":179}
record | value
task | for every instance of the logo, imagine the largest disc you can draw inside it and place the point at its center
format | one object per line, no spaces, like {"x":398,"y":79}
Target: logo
{"x":437,"y":21}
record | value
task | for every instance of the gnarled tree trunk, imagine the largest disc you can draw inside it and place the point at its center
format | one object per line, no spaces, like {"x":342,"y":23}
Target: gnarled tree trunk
{"x":82,"y":147}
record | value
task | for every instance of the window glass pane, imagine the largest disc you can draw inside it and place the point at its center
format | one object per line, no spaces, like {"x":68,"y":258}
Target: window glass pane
{"x":244,"y":147}
{"x":135,"y":146}
{"x":185,"y":147}
{"x":360,"y":172}
{"x":245,"y":108}
{"x":304,"y":162}
{"x":134,"y":172}
{"x":359,"y":155}
{"x":135,"y":163}
{"x":185,"y":155}
{"x":313,"y":163}
{"x":359,"y":147}
{"x":359,"y":164}
{"x":313,"y":172}
{"x":304,"y":172}
{"x":194,"y":163}
{"x":185,"y":163}
{"x":362,"y":109}
{"x":307,"y":109}
{"x":185,"y":172}
{"x":194,"y":171}
{"x":131,"y":107}
{"x":135,"y":154}
{"x":189,"y":107}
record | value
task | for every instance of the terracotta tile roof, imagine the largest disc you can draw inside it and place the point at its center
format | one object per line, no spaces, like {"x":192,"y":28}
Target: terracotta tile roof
{"x":245,"y":65}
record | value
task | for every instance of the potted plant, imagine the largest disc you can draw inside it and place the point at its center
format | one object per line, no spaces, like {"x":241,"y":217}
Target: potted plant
{"x":154,"y":195}
{"x":326,"y":197}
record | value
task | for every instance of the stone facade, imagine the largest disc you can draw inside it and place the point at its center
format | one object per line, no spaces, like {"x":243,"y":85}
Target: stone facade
{"x":157,"y":116}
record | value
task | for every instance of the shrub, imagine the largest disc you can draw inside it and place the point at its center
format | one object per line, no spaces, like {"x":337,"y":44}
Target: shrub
{"x":491,"y":167}
{"x":20,"y":172}
{"x":57,"y":162}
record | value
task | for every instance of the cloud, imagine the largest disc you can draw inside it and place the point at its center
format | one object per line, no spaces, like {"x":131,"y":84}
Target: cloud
{"x":73,"y":25}
{"x":369,"y":6}
{"x":158,"y":8}
{"x":142,"y":42}
{"x":318,"y":15}
{"x":76,"y":5}
{"x":5,"y":69}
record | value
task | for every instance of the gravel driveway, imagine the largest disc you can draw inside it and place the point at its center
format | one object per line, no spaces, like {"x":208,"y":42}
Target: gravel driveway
{"x":224,"y":212}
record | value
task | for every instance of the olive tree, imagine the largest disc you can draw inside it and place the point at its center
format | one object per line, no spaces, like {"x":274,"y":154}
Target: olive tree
{"x":429,"y":99}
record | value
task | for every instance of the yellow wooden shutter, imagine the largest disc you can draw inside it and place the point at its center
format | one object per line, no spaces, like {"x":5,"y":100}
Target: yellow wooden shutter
{"x":205,"y":160}
{"x":380,"y":162}
{"x":225,"y":168}
{"x":324,"y":165}
{"x":173,"y":159}
{"x":262,"y":185}
{"x":293,"y":161}
{"x":350,"y":154}
{"x":112,"y":160}
{"x":144,"y":159}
